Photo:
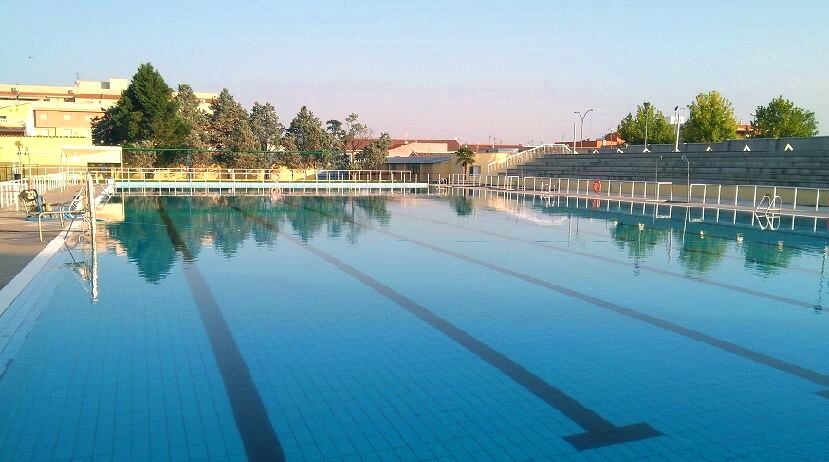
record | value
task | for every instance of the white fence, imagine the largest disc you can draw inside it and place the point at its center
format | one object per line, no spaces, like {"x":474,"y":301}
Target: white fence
{"x":10,"y":190}
{"x":791,"y":197}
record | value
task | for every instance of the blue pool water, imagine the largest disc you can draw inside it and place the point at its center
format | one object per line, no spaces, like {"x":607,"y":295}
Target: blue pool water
{"x":422,"y":327}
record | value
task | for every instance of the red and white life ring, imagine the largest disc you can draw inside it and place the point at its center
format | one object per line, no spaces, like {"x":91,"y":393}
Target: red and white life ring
{"x":597,"y":186}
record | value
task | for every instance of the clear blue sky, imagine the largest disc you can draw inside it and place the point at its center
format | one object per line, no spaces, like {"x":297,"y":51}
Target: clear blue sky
{"x":511,"y":70}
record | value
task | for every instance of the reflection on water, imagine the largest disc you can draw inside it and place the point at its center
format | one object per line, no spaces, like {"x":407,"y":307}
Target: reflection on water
{"x":701,"y":239}
{"x":212,"y":221}
{"x":699,"y":247}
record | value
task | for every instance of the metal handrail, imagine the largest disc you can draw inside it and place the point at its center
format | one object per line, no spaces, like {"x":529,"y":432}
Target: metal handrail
{"x":524,"y":156}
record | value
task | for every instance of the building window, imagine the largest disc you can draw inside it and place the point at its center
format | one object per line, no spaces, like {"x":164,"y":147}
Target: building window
{"x":43,"y":131}
{"x":44,"y":116}
{"x":67,"y":117}
{"x":67,"y":132}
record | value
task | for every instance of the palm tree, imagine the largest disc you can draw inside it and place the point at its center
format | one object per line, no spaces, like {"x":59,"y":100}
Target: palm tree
{"x":465,"y":157}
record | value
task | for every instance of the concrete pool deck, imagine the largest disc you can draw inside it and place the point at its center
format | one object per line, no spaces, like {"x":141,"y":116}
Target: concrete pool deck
{"x":19,"y":240}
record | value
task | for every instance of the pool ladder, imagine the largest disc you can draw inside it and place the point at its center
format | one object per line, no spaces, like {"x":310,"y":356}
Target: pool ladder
{"x":769,"y":210}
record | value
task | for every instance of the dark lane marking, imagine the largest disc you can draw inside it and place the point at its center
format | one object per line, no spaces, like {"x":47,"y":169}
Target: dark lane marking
{"x":598,"y":431}
{"x":761,"y":358}
{"x":708,"y":282}
{"x":249,"y":412}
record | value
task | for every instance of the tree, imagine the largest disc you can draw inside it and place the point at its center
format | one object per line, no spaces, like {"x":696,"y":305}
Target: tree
{"x":241,"y":143}
{"x":373,"y":155}
{"x":196,"y":120}
{"x":190,"y":112}
{"x":781,"y":118}
{"x":306,"y":131}
{"x":228,"y":126}
{"x":265,"y":126}
{"x":711,"y":119}
{"x":349,"y":136}
{"x":465,"y":157}
{"x":306,"y":135}
{"x":146,"y":112}
{"x":142,"y":156}
{"x":336,"y":134}
{"x":354,"y":132}
{"x":632,"y":128}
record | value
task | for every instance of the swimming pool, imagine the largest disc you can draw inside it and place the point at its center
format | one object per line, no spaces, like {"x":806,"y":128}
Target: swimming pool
{"x":421,"y":327}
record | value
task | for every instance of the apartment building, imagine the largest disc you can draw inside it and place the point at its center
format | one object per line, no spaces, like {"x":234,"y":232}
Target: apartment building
{"x":65,"y":110}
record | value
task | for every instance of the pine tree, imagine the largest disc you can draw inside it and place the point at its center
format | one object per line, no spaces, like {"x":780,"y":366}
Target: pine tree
{"x":196,"y":119}
{"x":145,"y":113}
{"x":193,"y":115}
{"x":265,"y":126}
{"x":306,"y":131}
{"x":229,"y":130}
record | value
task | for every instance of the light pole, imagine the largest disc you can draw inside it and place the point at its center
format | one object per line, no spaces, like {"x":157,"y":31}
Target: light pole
{"x":647,"y":118}
{"x":688,"y":170}
{"x":581,"y":126}
{"x":676,"y":119}
{"x":575,"y":151}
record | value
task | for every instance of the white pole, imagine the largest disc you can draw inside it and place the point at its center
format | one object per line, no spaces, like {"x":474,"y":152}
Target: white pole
{"x":574,"y":139}
{"x":676,"y":119}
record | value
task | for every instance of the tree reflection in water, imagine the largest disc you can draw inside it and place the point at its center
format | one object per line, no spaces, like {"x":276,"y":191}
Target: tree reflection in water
{"x":213,"y":221}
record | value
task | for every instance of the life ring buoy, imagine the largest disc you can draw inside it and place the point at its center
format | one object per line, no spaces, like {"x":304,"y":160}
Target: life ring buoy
{"x":597,"y":186}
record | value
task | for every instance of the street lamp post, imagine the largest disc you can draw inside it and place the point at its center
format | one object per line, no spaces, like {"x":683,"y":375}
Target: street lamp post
{"x":581,"y":125}
{"x":575,"y":151}
{"x":676,"y":119}
{"x":647,"y":118}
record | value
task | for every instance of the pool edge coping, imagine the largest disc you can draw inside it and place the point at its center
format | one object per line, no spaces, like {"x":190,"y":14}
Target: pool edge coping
{"x":12,"y":290}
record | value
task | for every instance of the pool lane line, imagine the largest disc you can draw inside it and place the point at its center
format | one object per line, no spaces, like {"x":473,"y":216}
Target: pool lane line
{"x":598,"y":430}
{"x":755,"y":356}
{"x":249,"y":412}
{"x":653,"y":269}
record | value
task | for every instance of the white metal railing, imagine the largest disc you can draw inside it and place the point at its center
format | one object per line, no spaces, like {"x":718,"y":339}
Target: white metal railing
{"x":519,"y":158}
{"x":794,"y":198}
{"x":232,"y":175}
{"x":10,"y":190}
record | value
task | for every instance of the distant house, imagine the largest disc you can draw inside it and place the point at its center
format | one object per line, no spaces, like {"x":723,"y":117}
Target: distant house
{"x":744,"y":130}
{"x":437,"y":157}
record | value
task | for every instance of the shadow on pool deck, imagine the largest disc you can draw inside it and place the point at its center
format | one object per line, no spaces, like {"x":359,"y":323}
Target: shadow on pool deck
{"x":19,"y":241}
